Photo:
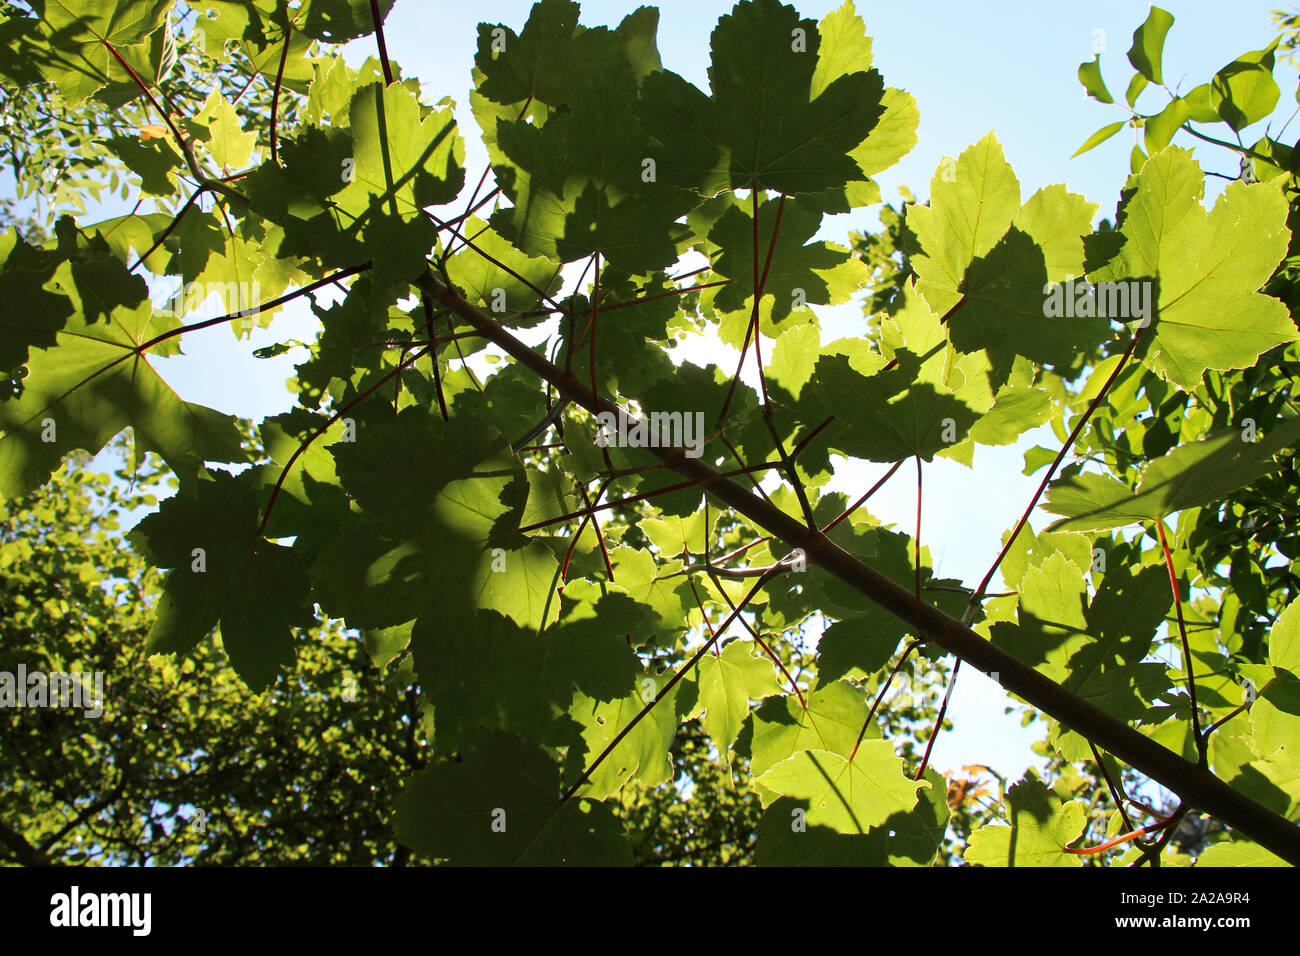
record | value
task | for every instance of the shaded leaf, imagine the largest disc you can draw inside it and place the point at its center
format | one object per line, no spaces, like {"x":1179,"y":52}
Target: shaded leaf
{"x":500,"y":805}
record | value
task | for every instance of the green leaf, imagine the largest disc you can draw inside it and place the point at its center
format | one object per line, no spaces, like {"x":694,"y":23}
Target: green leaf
{"x":403,"y":154}
{"x":915,"y":838}
{"x":401,"y":247}
{"x":583,"y":181}
{"x":904,"y":839}
{"x":227,"y":143}
{"x":35,"y":314}
{"x":892,"y":137}
{"x":1238,"y":853}
{"x":1193,"y":474}
{"x":1275,"y":714}
{"x":848,"y":796}
{"x":1036,"y":458}
{"x":759,"y":74}
{"x":80,"y":32}
{"x":337,"y":21}
{"x":1148,"y":44}
{"x":820,"y":273}
{"x":1031,"y":549}
{"x":1205,"y":269}
{"x":1097,"y":651}
{"x":1112,"y":671}
{"x":642,"y":754}
{"x":1014,"y":412}
{"x":987,"y":260}
{"x":764,"y":126}
{"x":156,"y":162}
{"x":1275,"y":718}
{"x":1135,"y":87}
{"x":1099,"y":137}
{"x":437,"y":534}
{"x":1244,"y":91}
{"x":866,"y":642}
{"x":544,"y":62}
{"x":673,"y":534}
{"x":1284,"y":639}
{"x":973,"y":202}
{"x":479,"y":277}
{"x":728,"y":682}
{"x":832,"y":721}
{"x":1200,"y":105}
{"x":647,"y":583}
{"x":921,"y":407}
{"x":1051,"y":617}
{"x":595,"y":639}
{"x":384,"y":644}
{"x":351,"y":342}
{"x":1041,"y":828}
{"x":794,"y":357}
{"x":500,"y":805}
{"x":638,"y":31}
{"x":92,"y":385}
{"x":493,"y":673}
{"x":785,"y":839}
{"x":224,"y":570}
{"x":844,"y":48}
{"x":1136,"y":159}
{"x":1160,"y":129}
{"x":1090,"y":77}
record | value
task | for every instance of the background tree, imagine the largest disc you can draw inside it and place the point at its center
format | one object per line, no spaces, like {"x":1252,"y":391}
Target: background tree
{"x":184,"y":766}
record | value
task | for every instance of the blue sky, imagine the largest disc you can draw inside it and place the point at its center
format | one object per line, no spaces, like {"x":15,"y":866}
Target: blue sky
{"x":1008,"y":67}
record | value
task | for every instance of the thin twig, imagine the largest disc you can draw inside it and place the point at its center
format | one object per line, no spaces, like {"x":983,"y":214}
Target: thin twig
{"x":672,"y":682}
{"x":857,"y":504}
{"x":1116,"y":791}
{"x":1056,"y":463}
{"x":884,"y":688}
{"x":433,"y":354}
{"x":379,"y":37}
{"x":275,"y":92}
{"x":1202,"y":744}
{"x":264,"y":307}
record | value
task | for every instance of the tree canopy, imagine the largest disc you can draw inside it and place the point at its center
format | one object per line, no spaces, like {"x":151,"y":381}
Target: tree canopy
{"x":594,"y":584}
